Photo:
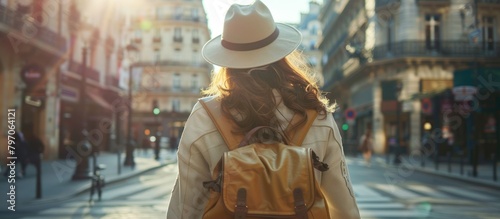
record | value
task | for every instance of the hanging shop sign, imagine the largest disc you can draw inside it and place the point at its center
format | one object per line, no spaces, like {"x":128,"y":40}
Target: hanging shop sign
{"x":32,"y":75}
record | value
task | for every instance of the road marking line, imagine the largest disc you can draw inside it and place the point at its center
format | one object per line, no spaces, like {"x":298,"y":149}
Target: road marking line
{"x":428,"y":191}
{"x":396,"y":191}
{"x":394,"y":214}
{"x":364,"y":191}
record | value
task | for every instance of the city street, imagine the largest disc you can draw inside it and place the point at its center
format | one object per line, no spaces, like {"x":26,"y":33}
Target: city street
{"x":381,"y":192}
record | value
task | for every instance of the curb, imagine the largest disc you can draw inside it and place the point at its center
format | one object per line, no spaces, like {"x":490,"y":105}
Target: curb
{"x":86,"y":188}
{"x":486,"y":183}
{"x":482,"y":182}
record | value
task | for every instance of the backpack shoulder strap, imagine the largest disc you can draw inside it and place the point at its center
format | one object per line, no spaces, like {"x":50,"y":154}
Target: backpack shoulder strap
{"x":223,"y":124}
{"x":298,"y":135}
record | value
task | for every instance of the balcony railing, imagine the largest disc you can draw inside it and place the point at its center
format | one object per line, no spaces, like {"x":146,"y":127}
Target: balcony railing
{"x":156,"y":39}
{"x":451,"y":49}
{"x":165,"y":89}
{"x":15,"y":21}
{"x":439,"y":2}
{"x":489,"y":1}
{"x":78,"y":69}
{"x":178,"y":39}
{"x":175,"y":63}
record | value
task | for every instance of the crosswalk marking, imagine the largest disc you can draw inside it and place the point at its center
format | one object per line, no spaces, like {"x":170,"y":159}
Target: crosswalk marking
{"x":373,"y":199}
{"x":396,"y":191}
{"x":393,"y":214}
{"x":383,"y":205}
{"x":364,"y":191}
{"x":373,"y":204}
{"x":465,"y":193}
{"x":152,"y":193}
{"x":131,"y":189}
{"x":429,"y":192}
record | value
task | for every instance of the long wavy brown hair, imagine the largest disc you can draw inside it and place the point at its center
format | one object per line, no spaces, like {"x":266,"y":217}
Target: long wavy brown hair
{"x":249,"y":92}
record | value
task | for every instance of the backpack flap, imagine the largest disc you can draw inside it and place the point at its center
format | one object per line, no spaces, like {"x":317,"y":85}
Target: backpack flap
{"x":270,"y":174}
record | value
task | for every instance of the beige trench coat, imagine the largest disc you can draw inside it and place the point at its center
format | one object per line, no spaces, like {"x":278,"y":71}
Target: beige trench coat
{"x":201,"y":147}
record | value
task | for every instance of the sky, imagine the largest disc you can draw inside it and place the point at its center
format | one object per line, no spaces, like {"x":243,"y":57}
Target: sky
{"x":285,"y":11}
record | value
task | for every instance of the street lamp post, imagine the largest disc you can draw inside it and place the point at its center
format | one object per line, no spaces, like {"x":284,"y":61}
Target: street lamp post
{"x":82,"y":168}
{"x":397,"y":155}
{"x":129,"y":153}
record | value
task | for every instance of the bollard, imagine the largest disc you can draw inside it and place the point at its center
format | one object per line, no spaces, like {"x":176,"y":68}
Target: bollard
{"x":494,"y":167}
{"x":462,"y":155}
{"x":39,"y":178}
{"x":422,"y":158}
{"x":449,"y":162}
{"x":119,"y":162}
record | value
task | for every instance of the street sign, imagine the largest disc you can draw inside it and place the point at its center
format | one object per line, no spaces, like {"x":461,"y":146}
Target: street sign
{"x":464,"y":93}
{"x":426,"y":106}
{"x":350,"y":114}
{"x":407,"y":106}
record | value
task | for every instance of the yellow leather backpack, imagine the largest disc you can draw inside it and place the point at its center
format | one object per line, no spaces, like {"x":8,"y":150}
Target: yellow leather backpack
{"x":264,"y":179}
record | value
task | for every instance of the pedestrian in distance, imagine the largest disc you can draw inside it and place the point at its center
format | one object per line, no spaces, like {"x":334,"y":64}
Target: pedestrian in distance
{"x":262,"y":81}
{"x":366,"y":145}
{"x":146,"y":144}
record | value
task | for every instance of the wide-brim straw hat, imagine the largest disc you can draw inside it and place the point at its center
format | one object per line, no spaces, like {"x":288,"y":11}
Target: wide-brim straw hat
{"x":250,"y":38}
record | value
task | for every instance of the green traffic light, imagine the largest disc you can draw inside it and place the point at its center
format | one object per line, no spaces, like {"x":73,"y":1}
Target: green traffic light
{"x":345,"y":126}
{"x":156,"y":111}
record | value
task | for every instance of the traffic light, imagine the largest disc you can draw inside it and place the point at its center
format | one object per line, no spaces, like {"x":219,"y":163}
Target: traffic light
{"x":345,"y":127}
{"x":156,"y":108}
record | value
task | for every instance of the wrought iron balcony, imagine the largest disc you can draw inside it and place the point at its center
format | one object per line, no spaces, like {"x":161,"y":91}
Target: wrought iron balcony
{"x":156,"y":39}
{"x":175,"y":63}
{"x":169,"y":89}
{"x":13,"y":21}
{"x":448,"y":49}
{"x":489,"y":1}
{"x":433,"y":2}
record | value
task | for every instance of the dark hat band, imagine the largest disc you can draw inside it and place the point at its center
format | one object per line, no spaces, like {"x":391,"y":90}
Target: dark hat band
{"x":251,"y":46}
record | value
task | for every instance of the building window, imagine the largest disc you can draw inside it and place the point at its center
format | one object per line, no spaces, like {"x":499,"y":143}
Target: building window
{"x":390,"y":30}
{"x":176,"y":82}
{"x":176,"y":105}
{"x":157,"y":36}
{"x":195,"y":84}
{"x":196,"y":36}
{"x":156,"y":56}
{"x":432,"y":31}
{"x":137,"y":36}
{"x":488,"y":33}
{"x":178,"y":35}
{"x":178,"y":13}
{"x":161,"y":13}
{"x":195,"y":14}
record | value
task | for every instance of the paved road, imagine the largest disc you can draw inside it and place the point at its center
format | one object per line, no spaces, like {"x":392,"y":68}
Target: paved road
{"x":381,"y":193}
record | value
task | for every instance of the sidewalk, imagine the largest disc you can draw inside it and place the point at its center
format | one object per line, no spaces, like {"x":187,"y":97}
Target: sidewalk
{"x":484,"y":171}
{"x":56,"y":176}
